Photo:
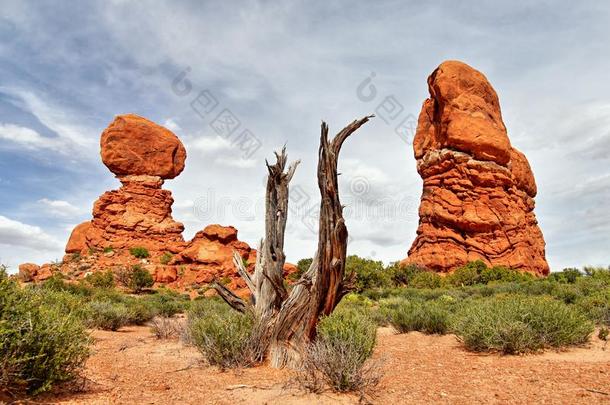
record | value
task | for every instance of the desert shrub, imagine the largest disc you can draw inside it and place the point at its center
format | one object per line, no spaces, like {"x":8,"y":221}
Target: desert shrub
{"x":221,"y":334}
{"x":302,"y":267}
{"x":597,"y":306}
{"x":168,"y":303}
{"x":426,"y":279}
{"x":603,"y":333}
{"x":101,"y":279}
{"x":568,"y":275}
{"x":465,"y":275}
{"x":402,"y":275}
{"x":468,"y":274}
{"x":518,"y":324}
{"x":501,"y":274}
{"x":429,"y":317}
{"x":139,"y":252}
{"x":369,"y":273}
{"x":601,"y":272}
{"x":58,"y":283}
{"x":166,"y":258}
{"x":338,"y":357}
{"x":139,"y":311}
{"x":164,"y":327}
{"x":139,"y":278}
{"x":40,"y":344}
{"x":107,"y":315}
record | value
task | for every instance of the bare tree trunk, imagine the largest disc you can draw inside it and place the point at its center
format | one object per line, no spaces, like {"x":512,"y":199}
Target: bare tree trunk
{"x":285,"y":323}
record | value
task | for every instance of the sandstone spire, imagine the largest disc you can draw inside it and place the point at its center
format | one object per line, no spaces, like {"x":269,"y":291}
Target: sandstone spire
{"x":478,"y":194}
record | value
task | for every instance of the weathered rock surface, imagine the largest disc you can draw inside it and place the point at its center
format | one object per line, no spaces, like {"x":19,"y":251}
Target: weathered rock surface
{"x":28,"y":271}
{"x":139,"y":214}
{"x":132,"y":145}
{"x":478,"y":194}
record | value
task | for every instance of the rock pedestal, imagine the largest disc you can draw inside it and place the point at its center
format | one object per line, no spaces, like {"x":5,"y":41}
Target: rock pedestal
{"x":478,"y":193}
{"x":142,"y":155}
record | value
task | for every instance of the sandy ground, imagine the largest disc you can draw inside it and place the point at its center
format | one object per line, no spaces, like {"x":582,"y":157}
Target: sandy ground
{"x":133,"y":367}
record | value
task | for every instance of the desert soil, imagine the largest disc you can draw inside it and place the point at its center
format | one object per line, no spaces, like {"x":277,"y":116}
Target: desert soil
{"x":131,"y":366}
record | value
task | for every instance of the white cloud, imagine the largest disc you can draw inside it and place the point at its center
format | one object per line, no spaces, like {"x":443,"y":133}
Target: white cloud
{"x":209,"y":144}
{"x":73,"y":138}
{"x":28,"y":138}
{"x":60,"y":208}
{"x":172,"y":125}
{"x":236,"y":162}
{"x":15,"y":233}
{"x":280,"y":69}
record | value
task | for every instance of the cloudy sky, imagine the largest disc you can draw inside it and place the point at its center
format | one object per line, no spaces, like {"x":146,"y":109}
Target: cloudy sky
{"x":277,"y":69}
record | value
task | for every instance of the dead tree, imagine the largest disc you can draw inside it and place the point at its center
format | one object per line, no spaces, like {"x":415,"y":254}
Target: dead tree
{"x":286,"y":322}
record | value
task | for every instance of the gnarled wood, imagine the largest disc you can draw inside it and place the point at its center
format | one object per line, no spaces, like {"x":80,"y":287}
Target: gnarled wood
{"x":286,"y":322}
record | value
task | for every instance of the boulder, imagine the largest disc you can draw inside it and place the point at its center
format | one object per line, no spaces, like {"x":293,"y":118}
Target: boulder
{"x":28,"y":272}
{"x":78,"y":238}
{"x":478,"y":193}
{"x":165,"y":274}
{"x":133,"y":145}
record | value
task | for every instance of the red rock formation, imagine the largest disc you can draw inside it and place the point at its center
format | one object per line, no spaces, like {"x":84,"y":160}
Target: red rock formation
{"x":141,"y":154}
{"x":28,"y":271}
{"x":212,"y":252}
{"x":478,"y":194}
{"x":132,"y":145}
{"x":137,"y":214}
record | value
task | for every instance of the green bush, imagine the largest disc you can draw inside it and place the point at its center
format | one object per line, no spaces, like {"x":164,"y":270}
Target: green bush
{"x":57,"y":283}
{"x":518,"y":324}
{"x":107,"y":315}
{"x":302,"y":267}
{"x":429,"y":317}
{"x":338,"y":357}
{"x":139,"y":252}
{"x":597,"y":306}
{"x":348,"y":325}
{"x":40,"y":344}
{"x":140,"y":311}
{"x":403,"y":275}
{"x":568,"y":276}
{"x":468,"y":274}
{"x":166,"y":258}
{"x":167,"y":303}
{"x":139,"y":278}
{"x":101,"y":279}
{"x":369,"y":273}
{"x":426,"y":279}
{"x":221,"y":334}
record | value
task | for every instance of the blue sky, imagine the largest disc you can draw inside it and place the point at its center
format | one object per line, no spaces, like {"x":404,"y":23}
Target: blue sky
{"x":67,"y":68}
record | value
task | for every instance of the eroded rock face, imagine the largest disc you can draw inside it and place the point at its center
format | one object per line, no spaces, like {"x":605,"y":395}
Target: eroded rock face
{"x":478,"y":194}
{"x":139,"y":214}
{"x":132,"y":145}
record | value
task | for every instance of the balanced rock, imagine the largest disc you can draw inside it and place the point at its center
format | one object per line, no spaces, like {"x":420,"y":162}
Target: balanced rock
{"x":478,"y":193}
{"x":132,"y":145}
{"x":139,"y":215}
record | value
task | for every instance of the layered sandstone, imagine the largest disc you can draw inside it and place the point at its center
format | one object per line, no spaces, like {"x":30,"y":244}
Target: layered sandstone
{"x":478,"y":192}
{"x":133,"y":145}
{"x":139,"y":214}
